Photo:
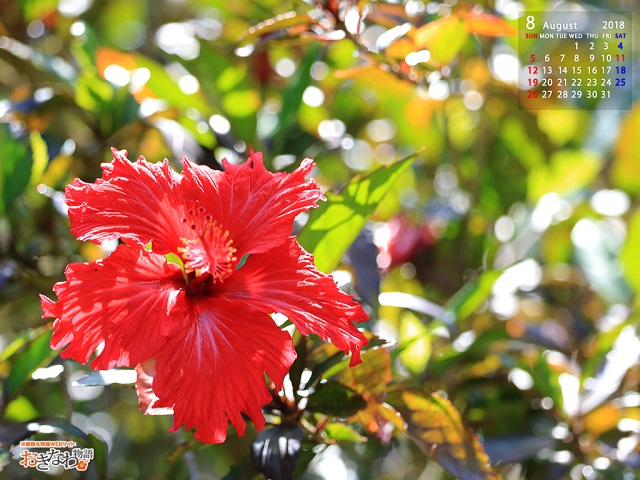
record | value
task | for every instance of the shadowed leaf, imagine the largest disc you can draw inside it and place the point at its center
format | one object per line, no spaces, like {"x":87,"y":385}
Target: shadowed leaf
{"x":333,"y":398}
{"x":36,"y":354}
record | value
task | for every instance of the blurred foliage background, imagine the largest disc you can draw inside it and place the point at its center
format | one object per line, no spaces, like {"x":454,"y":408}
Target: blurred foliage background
{"x":502,"y":267}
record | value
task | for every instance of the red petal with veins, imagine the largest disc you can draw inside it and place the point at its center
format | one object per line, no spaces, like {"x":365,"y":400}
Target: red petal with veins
{"x":137,"y":202}
{"x":286,"y":281}
{"x":214,"y":371}
{"x":256,"y":206}
{"x":133,"y":301}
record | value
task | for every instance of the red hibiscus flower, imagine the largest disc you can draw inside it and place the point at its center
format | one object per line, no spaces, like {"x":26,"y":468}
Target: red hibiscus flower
{"x":202,"y":330}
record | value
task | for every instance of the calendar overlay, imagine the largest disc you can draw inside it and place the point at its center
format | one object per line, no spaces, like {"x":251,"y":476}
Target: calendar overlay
{"x":575,"y":60}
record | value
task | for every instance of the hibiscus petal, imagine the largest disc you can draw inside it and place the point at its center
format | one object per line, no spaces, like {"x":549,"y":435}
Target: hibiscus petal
{"x":136,"y":202}
{"x":132,"y":301}
{"x":213,"y":373}
{"x":144,"y":388}
{"x":285,"y":280}
{"x":256,"y":206}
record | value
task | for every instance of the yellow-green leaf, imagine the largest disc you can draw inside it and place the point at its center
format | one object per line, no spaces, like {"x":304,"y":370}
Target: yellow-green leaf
{"x":629,"y":254}
{"x":443,"y":38}
{"x":414,"y":342}
{"x":567,"y":172}
{"x":336,"y":223}
{"x":341,"y":432}
{"x":40,"y":157}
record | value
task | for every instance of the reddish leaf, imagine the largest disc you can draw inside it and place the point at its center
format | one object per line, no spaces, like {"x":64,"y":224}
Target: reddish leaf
{"x":488,"y":25}
{"x":436,"y":427}
{"x":109,"y":56}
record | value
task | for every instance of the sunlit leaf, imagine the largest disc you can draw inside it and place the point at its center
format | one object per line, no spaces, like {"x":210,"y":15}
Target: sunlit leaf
{"x":241,"y":103}
{"x":602,"y":419}
{"x":337,"y":222}
{"x":369,"y":379}
{"x":629,"y":258}
{"x":110,"y":56}
{"x":280,"y":22}
{"x":164,"y":87}
{"x":40,"y":157}
{"x":436,"y":427}
{"x":381,"y":80}
{"x":21,"y":340}
{"x":471,"y":296}
{"x":92,"y":93}
{"x":566,"y":172}
{"x":625,"y":170}
{"x":20,"y":410}
{"x":332,"y":361}
{"x":443,"y":38}
{"x":341,"y":432}
{"x":414,"y":343}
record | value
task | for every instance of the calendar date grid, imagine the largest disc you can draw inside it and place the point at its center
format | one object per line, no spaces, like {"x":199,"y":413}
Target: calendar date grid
{"x":575,"y":60}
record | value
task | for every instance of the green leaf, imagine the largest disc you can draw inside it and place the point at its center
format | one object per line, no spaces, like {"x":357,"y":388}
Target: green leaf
{"x":414,"y":347}
{"x":20,"y":410}
{"x":340,"y":432}
{"x":443,"y":38}
{"x":21,"y":340}
{"x":335,"y":224}
{"x":15,"y":168}
{"x":162,"y":85}
{"x":333,"y":398}
{"x":436,"y":427}
{"x":567,"y":172}
{"x":629,"y":254}
{"x":100,"y":452}
{"x":92,"y":93}
{"x":337,"y":362}
{"x":472,"y":295}
{"x":292,"y":99}
{"x":37,"y":354}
